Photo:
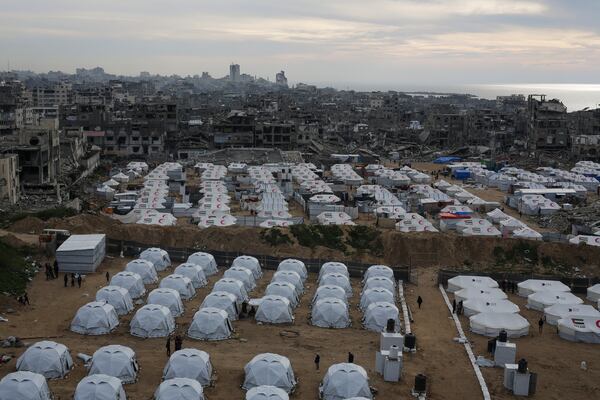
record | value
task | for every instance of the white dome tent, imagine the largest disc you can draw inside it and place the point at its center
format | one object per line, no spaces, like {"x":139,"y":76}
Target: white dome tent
{"x":206,"y":261}
{"x":333,"y":267}
{"x":99,"y":387}
{"x":472,"y":292}
{"x":537,"y":285}
{"x":491,"y":323}
{"x":284,"y":289}
{"x":223,"y":301}
{"x":242,"y":274}
{"x":378,"y":314}
{"x":152,"y":320}
{"x":24,"y":385}
{"x":559,"y":311}
{"x":210,"y":324}
{"x":169,"y":298}
{"x":274,"y":309}
{"x":179,"y":389}
{"x":180,"y":283}
{"x":290,"y":277}
{"x":378,"y":270}
{"x":330,"y":313}
{"x":130,"y":281}
{"x":344,"y":381}
{"x":116,"y":296}
{"x":160,"y":258}
{"x":593,"y":293}
{"x":465,"y":281}
{"x":233,"y":286}
{"x":189,"y":363}
{"x":325,"y":291}
{"x":337,"y":279}
{"x":580,"y":328}
{"x":115,"y":360}
{"x":375,"y":295}
{"x":95,"y":318}
{"x":380,"y":282}
{"x":291,"y":264}
{"x":269,"y":369}
{"x":143,"y":268}
{"x":47,"y":358}
{"x":194,"y":273}
{"x":249,"y":262}
{"x":266,"y":392}
{"x":478,"y":305}
{"x":546,"y":298}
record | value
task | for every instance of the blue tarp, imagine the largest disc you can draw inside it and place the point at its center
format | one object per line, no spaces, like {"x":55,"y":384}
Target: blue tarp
{"x":446,"y":160}
{"x":461,"y":174}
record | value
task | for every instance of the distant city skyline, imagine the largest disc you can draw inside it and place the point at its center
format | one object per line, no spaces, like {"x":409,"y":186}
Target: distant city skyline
{"x":344,"y":42}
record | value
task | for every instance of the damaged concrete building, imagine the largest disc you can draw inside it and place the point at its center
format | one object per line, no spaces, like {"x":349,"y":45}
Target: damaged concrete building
{"x":10,"y":187}
{"x":546,"y":124}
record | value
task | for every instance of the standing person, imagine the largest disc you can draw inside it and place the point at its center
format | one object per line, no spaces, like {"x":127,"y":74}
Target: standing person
{"x":419,"y":301}
{"x":78,"y":280}
{"x":541,"y":324}
{"x":350,"y":357}
{"x":56,"y":269}
{"x":460,"y":307}
{"x":178,"y":342}
{"x":72,"y":279}
{"x":454,"y":306}
{"x":317,"y":361}
{"x":26,"y":299}
{"x":66,"y":279}
{"x":107,"y":277}
{"x":168,"y":346}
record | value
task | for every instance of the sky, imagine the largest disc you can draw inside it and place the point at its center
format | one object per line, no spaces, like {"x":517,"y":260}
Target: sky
{"x":336,"y":42}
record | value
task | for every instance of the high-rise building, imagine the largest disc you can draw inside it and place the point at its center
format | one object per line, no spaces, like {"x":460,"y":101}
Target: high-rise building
{"x":234,"y":72}
{"x":280,"y":79}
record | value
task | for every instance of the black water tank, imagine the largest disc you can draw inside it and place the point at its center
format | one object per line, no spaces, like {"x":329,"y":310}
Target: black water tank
{"x":522,"y":366}
{"x":410,"y":341}
{"x":391,"y":325}
{"x":420,"y":383}
{"x":491,"y":345}
{"x":503,"y":336}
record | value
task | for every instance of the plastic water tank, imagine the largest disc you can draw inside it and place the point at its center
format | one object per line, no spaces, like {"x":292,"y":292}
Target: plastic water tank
{"x":410,"y":341}
{"x":420,"y":383}
{"x":522,"y":366}
{"x":503,"y":336}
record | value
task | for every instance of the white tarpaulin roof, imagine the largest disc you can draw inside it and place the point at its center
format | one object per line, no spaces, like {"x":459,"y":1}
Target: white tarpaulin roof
{"x":158,"y":257}
{"x":344,"y":381}
{"x":143,"y":268}
{"x":115,"y":360}
{"x":233,"y":286}
{"x":284,"y":289}
{"x":206,"y":261}
{"x":333,"y":266}
{"x":484,"y":293}
{"x":378,"y":270}
{"x":578,"y":328}
{"x":330,"y":313}
{"x":249,"y":262}
{"x":269,"y":369}
{"x":266,"y":392}
{"x":130,"y":281}
{"x":167,"y":297}
{"x":180,"y":283}
{"x":464,"y":281}
{"x":491,"y":323}
{"x":375,"y":295}
{"x":243,"y":274}
{"x":478,"y":305}
{"x":290,"y":277}
{"x":540,"y":300}
{"x":24,"y":385}
{"x":95,"y":318}
{"x":99,"y":387}
{"x":536,"y":285}
{"x":380,"y":282}
{"x":274,"y":309}
{"x":337,"y":279}
{"x":179,"y":389}
{"x":377,"y":315}
{"x":291,"y":264}
{"x":593,"y":293}
{"x":223,"y":301}
{"x":558,"y":311}
{"x":189,"y":363}
{"x":50,"y":359}
{"x":210,"y":324}
{"x":325,"y":291}
{"x":194,"y":272}
{"x":152,"y":320}
{"x":117,"y":297}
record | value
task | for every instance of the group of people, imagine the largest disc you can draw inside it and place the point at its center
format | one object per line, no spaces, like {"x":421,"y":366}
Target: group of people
{"x":318,"y":359}
{"x":178,"y":344}
{"x":457,"y":308}
{"x":51,"y":270}
{"x":23,"y":299}
{"x":74,"y":278}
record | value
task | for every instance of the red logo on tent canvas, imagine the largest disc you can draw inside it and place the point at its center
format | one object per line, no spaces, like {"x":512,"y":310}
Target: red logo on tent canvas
{"x":598,"y":323}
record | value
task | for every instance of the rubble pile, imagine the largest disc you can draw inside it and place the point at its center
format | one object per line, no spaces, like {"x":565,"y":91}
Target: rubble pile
{"x":562,"y":220}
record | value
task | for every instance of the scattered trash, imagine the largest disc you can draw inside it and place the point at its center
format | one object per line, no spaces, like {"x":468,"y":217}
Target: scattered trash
{"x":583,"y":366}
{"x":2,"y":319}
{"x":484,"y":362}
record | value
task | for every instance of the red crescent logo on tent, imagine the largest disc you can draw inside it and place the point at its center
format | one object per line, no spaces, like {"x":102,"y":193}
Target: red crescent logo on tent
{"x":598,"y":323}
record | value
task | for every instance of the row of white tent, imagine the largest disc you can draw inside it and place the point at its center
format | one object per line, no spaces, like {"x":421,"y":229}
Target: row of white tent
{"x":214,"y":206}
{"x":330,"y":308}
{"x":378,"y":299}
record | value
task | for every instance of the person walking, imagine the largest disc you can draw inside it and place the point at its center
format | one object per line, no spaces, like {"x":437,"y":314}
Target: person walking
{"x":454,"y":306}
{"x":107,"y":277}
{"x":419,"y":301}
{"x":56,"y":268}
{"x":317,"y":361}
{"x":26,"y":299}
{"x":168,"y":346}
{"x":72,"y":279}
{"x":66,"y":279}
{"x":350,"y":357}
{"x":541,"y":325}
{"x":460,"y":307}
{"x":78,"y":280}
{"x":178,"y":343}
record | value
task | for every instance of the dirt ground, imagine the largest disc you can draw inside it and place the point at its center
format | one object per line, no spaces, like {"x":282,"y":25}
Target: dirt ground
{"x":53,"y":306}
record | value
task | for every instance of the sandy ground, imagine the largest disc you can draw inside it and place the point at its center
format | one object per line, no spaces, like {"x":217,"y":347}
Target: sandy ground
{"x":53,"y":306}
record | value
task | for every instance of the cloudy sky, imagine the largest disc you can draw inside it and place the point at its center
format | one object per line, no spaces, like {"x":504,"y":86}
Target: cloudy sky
{"x":349,"y":42}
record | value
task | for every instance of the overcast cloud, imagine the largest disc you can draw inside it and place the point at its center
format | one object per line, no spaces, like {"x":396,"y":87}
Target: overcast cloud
{"x":379,"y":42}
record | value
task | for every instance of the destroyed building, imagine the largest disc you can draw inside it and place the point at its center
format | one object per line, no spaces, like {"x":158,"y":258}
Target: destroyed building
{"x":10,"y":187}
{"x":546,"y":124}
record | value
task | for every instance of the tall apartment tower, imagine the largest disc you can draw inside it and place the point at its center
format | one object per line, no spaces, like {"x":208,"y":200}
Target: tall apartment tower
{"x":234,"y":72}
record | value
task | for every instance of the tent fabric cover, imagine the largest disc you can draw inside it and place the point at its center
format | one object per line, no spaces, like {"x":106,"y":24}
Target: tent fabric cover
{"x":274,"y":309}
{"x":160,"y":258}
{"x":99,"y":387}
{"x":194,"y":273}
{"x":290,"y":277}
{"x":189,"y":363}
{"x":233,"y":286}
{"x":546,"y":298}
{"x":24,"y":385}
{"x":179,"y":389}
{"x":559,"y":311}
{"x":117,"y":297}
{"x":143,"y":268}
{"x":269,"y":369}
{"x":330,"y":313}
{"x":180,"y":283}
{"x":377,"y":315}
{"x":115,"y":360}
{"x":537,"y":285}
{"x":243,"y":274}
{"x":378,"y":270}
{"x":325,"y":291}
{"x":95,"y":318}
{"x":344,"y":381}
{"x":152,"y":320}
{"x":249,"y":262}
{"x":131,"y":281}
{"x":47,"y":358}
{"x":491,"y":323}
{"x":210,"y":324}
{"x":206,"y":261}
{"x":375,"y":295}
{"x":465,"y":281}
{"x":266,"y":392}
{"x":223,"y":301}
{"x":337,"y":279}
{"x":169,"y":298}
{"x":291,"y":264}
